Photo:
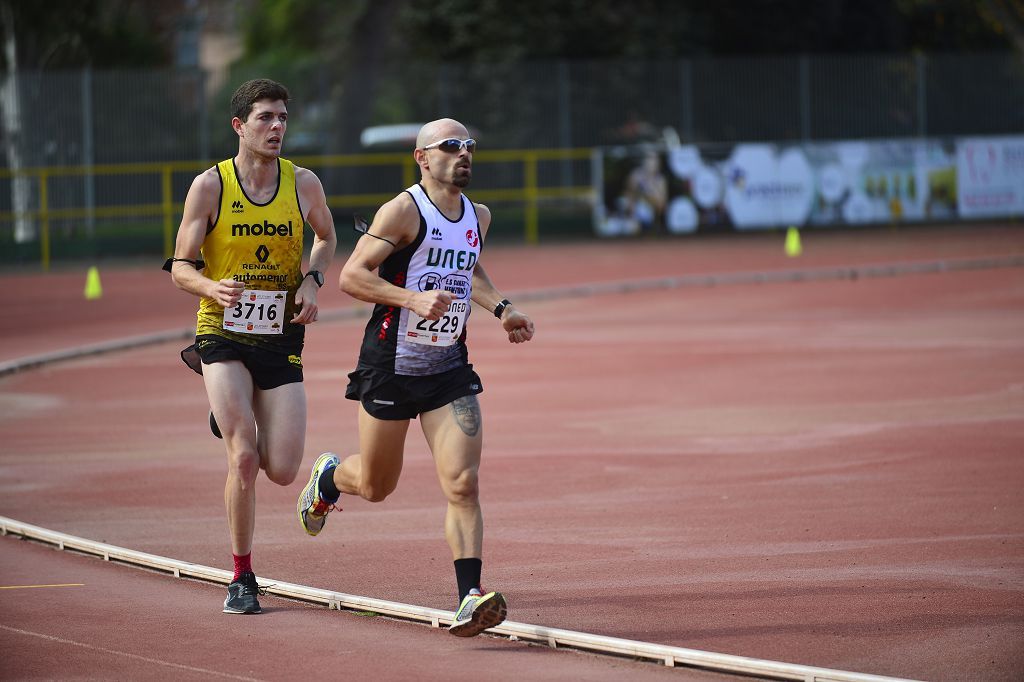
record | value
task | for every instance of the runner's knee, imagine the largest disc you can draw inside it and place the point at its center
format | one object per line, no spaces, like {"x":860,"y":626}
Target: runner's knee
{"x":245,"y":465}
{"x":282,"y":475}
{"x":377,"y":490}
{"x":464,"y":488}
{"x":376,"y":493}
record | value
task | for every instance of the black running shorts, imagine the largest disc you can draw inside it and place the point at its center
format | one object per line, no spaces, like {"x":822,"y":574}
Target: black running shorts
{"x":398,"y":396}
{"x":269,"y":369}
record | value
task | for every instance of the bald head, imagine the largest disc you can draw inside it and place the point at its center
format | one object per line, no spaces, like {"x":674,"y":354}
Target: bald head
{"x":440,"y":129}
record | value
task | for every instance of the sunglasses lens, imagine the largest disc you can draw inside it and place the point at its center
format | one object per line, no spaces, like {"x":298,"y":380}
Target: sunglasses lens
{"x":452,"y":145}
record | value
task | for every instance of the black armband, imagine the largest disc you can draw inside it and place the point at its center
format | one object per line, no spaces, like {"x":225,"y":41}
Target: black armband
{"x":198,"y":263}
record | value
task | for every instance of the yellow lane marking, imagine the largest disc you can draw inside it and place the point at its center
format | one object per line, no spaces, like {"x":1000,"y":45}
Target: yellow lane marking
{"x":24,"y":587}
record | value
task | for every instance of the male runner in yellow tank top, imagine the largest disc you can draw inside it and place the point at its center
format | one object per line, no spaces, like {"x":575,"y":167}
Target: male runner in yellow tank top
{"x":246,"y":216}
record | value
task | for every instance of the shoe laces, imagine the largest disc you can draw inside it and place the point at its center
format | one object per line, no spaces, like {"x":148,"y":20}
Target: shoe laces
{"x":322,"y":508}
{"x":250,"y":586}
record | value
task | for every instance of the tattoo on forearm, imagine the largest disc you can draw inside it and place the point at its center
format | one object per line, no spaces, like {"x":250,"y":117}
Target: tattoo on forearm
{"x":467,"y":414}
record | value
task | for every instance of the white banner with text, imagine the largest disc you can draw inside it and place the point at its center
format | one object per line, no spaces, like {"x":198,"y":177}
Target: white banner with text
{"x":685,"y":188}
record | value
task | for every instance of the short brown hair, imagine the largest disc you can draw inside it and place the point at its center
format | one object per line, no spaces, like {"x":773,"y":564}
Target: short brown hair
{"x":250,"y":92}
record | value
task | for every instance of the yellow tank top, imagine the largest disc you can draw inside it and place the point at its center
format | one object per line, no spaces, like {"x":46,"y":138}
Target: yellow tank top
{"x":259,"y":245}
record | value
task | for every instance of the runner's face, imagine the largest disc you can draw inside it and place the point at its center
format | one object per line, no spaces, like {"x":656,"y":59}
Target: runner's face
{"x":263,"y":132}
{"x":454,"y":168}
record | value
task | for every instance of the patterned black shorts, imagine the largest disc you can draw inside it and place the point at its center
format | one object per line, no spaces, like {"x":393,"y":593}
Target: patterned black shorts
{"x":269,"y":368}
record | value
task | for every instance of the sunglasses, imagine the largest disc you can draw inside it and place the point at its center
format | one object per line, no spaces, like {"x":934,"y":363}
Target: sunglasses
{"x":453,"y":145}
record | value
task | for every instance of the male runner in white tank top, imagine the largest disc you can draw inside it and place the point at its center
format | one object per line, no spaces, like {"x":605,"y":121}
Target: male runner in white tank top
{"x":419,"y":263}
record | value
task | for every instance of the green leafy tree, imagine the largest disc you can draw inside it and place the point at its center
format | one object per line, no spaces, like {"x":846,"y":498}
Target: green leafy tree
{"x":61,"y":34}
{"x":496,"y":32}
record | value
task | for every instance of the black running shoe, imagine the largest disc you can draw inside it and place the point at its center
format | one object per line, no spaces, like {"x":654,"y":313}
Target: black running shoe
{"x":242,"y":595}
{"x":214,"y":427}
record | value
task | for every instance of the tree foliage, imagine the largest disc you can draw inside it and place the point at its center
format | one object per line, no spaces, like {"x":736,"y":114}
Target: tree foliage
{"x":140,"y":33}
{"x":58,"y":34}
{"x":371,"y":49}
{"x":496,"y":31}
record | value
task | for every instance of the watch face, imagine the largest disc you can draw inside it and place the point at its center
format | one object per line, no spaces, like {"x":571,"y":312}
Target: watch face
{"x":318,"y":277}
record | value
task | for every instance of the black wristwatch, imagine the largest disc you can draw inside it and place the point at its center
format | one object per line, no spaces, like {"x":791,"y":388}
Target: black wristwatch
{"x":500,"y":308}
{"x":318,"y":277}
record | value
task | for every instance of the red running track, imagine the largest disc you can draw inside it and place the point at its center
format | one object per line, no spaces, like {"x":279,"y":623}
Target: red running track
{"x":825,"y":473}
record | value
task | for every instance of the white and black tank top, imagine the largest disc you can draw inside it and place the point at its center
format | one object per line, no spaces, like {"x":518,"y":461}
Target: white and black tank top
{"x":443,"y":256}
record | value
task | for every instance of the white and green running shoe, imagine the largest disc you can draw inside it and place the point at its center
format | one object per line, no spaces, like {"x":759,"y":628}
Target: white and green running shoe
{"x":478,"y":612}
{"x":312,"y":508}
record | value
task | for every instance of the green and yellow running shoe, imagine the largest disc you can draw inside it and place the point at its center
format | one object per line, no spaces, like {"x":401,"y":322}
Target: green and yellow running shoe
{"x":312,"y":508}
{"x":478,"y":612}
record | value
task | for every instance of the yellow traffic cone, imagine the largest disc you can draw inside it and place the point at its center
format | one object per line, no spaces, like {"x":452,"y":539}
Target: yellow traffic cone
{"x":793,"y":248}
{"x":93,"y":288}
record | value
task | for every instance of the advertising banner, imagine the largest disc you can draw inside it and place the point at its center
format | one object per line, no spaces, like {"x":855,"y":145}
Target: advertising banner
{"x":990,"y":176}
{"x":884,"y":181}
{"x":682,"y":189}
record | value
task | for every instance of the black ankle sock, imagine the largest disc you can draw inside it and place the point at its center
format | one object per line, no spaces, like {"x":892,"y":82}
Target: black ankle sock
{"x":328,"y":491}
{"x":467,"y":573}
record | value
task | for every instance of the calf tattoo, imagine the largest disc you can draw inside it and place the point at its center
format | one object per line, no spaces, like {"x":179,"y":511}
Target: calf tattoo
{"x":467,"y":414}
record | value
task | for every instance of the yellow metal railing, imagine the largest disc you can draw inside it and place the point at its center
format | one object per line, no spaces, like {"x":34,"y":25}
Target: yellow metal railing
{"x":169,"y":208}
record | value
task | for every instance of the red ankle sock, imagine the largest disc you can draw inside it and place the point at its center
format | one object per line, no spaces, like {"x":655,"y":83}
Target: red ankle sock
{"x":243,"y":564}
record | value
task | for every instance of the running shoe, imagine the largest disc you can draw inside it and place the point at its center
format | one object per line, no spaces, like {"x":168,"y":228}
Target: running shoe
{"x":242,"y":595}
{"x":312,"y":508}
{"x":477,"y":613}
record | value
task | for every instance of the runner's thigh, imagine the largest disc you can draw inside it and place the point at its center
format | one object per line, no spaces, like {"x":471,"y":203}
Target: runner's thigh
{"x":381,"y":448}
{"x":230,"y":390}
{"x":281,"y":415}
{"x":455,"y":436}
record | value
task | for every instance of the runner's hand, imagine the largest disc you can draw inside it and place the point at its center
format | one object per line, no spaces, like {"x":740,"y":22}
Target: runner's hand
{"x":227,"y":292}
{"x":518,"y":325}
{"x":305,"y":301}
{"x":431,"y":305}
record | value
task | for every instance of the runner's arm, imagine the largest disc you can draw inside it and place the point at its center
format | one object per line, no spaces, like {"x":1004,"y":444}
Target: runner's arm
{"x":394,"y":227}
{"x":518,"y":325}
{"x":325,"y":241}
{"x":199,"y":212}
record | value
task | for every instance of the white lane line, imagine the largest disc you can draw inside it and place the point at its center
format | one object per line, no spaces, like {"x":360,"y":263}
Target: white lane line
{"x":125,"y":654}
{"x":554,"y":637}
